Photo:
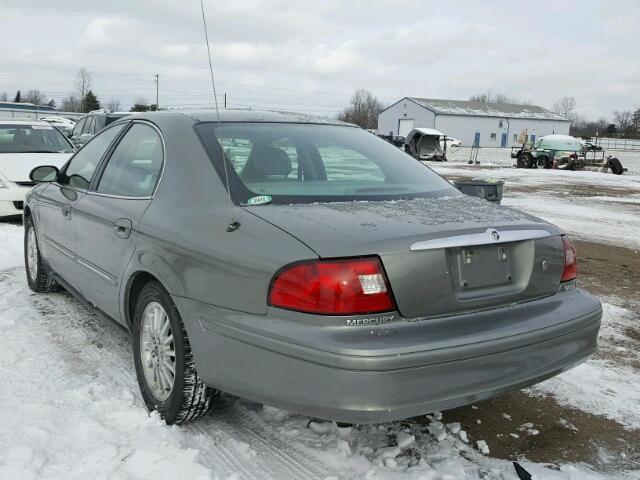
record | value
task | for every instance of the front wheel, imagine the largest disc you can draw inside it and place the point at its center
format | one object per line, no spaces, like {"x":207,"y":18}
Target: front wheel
{"x":38,"y":275}
{"x":166,"y":373}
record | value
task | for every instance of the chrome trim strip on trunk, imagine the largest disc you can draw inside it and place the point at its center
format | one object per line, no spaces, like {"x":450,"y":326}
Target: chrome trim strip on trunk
{"x":489,"y":237}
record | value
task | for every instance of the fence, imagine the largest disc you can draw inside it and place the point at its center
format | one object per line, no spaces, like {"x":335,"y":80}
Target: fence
{"x":621,"y":144}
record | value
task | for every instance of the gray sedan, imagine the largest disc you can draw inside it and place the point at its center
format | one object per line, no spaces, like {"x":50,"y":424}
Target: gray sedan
{"x":303,"y":264}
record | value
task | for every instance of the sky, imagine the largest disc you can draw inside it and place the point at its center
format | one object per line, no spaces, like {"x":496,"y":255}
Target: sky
{"x":310,"y":56}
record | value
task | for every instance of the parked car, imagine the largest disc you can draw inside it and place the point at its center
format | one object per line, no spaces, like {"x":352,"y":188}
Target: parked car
{"x":453,"y":142}
{"x":63,"y":124}
{"x":24,"y":145}
{"x":591,"y":147}
{"x":305,"y":264}
{"x":91,"y":124}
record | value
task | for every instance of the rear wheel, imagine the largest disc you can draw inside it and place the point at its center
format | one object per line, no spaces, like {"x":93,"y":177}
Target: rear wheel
{"x":167,"y":376}
{"x":38,"y":275}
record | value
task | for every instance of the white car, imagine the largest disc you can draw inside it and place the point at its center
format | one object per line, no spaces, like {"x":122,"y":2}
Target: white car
{"x":453,"y":142}
{"x":63,"y":124}
{"x":24,"y":145}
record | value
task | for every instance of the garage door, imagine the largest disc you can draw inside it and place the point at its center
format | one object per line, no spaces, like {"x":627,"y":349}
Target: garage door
{"x":405,"y":126}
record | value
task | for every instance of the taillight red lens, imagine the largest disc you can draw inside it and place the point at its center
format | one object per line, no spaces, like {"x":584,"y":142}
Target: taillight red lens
{"x":333,"y":287}
{"x":570,"y":271}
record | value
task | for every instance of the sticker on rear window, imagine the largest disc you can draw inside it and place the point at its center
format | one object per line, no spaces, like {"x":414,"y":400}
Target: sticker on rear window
{"x":41,"y":127}
{"x":259,"y":200}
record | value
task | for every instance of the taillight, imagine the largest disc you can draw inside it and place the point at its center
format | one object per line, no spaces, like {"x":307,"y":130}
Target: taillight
{"x":570,"y":271}
{"x":333,"y":287}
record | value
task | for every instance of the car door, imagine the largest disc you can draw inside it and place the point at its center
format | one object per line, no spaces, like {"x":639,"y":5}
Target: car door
{"x":58,"y":201}
{"x":108,"y":215}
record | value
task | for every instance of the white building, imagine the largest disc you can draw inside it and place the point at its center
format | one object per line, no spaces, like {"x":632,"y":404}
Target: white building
{"x":489,"y":124}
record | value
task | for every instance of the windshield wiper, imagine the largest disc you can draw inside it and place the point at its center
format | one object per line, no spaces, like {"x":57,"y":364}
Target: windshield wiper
{"x":38,"y":151}
{"x":393,"y":189}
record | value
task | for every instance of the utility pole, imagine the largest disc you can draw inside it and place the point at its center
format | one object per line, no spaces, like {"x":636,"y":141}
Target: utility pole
{"x":225,"y":100}
{"x":157,"y":88}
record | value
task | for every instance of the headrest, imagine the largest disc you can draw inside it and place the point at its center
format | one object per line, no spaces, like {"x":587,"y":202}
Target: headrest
{"x":268,"y":160}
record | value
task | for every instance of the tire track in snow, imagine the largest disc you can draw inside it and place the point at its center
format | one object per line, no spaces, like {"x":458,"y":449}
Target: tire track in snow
{"x":93,"y":347}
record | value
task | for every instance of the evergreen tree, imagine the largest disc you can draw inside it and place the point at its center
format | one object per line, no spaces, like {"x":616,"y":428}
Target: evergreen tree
{"x":91,"y":102}
{"x":18,"y":97}
{"x":52,"y":103}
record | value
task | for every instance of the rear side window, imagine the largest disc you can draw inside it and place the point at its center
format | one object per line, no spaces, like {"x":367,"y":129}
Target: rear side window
{"x":82,"y":166}
{"x":135,"y":164}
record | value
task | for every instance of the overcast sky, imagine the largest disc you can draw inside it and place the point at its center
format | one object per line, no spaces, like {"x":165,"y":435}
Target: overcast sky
{"x":310,"y":55}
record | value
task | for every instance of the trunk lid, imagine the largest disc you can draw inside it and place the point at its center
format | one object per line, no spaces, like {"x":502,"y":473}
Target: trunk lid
{"x":440,"y":254}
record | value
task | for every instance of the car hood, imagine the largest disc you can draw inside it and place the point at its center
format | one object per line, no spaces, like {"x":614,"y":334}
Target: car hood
{"x":16,"y":167}
{"x":381,"y":227}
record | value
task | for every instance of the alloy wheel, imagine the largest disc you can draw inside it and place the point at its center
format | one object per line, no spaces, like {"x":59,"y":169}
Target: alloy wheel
{"x":157,"y":351}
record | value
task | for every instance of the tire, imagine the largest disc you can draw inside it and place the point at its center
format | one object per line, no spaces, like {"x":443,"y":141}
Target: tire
{"x":39,"y":275}
{"x":616,"y":166}
{"x":544,"y":162}
{"x":526,"y":161}
{"x":521,"y":161}
{"x":187,"y":398}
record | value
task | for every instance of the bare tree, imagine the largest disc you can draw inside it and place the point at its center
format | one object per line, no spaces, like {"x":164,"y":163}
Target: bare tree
{"x":113,"y":105}
{"x":141,"y":105}
{"x":499,"y":98}
{"x":4,"y":97}
{"x":34,"y":96}
{"x":82,"y":85}
{"x":363,"y":109}
{"x":71,"y":104}
{"x":623,"y":119}
{"x":566,"y":107}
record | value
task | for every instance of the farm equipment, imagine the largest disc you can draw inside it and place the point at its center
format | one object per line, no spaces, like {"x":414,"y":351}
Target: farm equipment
{"x":565,"y":153}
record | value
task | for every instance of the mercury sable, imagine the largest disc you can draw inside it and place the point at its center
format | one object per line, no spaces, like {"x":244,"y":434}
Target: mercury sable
{"x":304,"y":264}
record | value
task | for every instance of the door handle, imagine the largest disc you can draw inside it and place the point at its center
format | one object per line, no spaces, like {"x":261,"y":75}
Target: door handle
{"x":122,"y":227}
{"x":66,"y":211}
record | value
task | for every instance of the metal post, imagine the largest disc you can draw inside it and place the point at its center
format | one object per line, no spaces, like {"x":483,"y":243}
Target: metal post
{"x":225,"y":101}
{"x":157,"y":89}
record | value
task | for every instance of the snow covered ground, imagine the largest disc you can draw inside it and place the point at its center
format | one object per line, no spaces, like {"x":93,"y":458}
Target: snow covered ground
{"x":72,"y":409}
{"x":607,"y":209}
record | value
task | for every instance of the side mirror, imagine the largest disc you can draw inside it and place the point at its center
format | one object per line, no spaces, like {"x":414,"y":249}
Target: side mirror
{"x":44,"y":173}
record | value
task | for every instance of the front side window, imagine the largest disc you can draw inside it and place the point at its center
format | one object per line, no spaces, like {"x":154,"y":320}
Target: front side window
{"x":135,"y":164}
{"x":82,"y":166}
{"x":23,"y":138}
{"x":301,"y":163}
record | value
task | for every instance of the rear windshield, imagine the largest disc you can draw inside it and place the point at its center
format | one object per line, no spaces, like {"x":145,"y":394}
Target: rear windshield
{"x":32,"y":139}
{"x":302,"y":163}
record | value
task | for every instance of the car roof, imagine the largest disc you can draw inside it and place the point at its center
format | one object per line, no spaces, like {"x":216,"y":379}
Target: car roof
{"x":253,"y":116}
{"x":24,"y":121}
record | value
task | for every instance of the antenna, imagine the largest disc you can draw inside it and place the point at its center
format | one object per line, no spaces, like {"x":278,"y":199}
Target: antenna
{"x":233,"y":224}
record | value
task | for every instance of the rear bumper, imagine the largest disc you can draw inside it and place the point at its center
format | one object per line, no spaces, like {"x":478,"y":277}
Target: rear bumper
{"x":377,"y":385}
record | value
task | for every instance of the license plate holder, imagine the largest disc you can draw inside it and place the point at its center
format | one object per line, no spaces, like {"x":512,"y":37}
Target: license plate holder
{"x":483,"y":266}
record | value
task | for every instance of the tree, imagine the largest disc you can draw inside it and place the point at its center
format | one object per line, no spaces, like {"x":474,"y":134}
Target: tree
{"x":566,"y":107}
{"x":18,"y":97}
{"x":611,"y":130}
{"x":141,"y":105}
{"x":4,"y":97}
{"x":499,"y":98}
{"x":82,"y":84}
{"x":624,"y":122}
{"x":635,"y":120}
{"x":71,"y":104}
{"x":34,"y":96}
{"x":363,"y":110}
{"x":91,"y":102}
{"x":52,"y":103}
{"x":113,"y":105}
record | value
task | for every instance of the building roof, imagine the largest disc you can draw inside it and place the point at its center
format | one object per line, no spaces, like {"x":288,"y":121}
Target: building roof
{"x":469,"y":108}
